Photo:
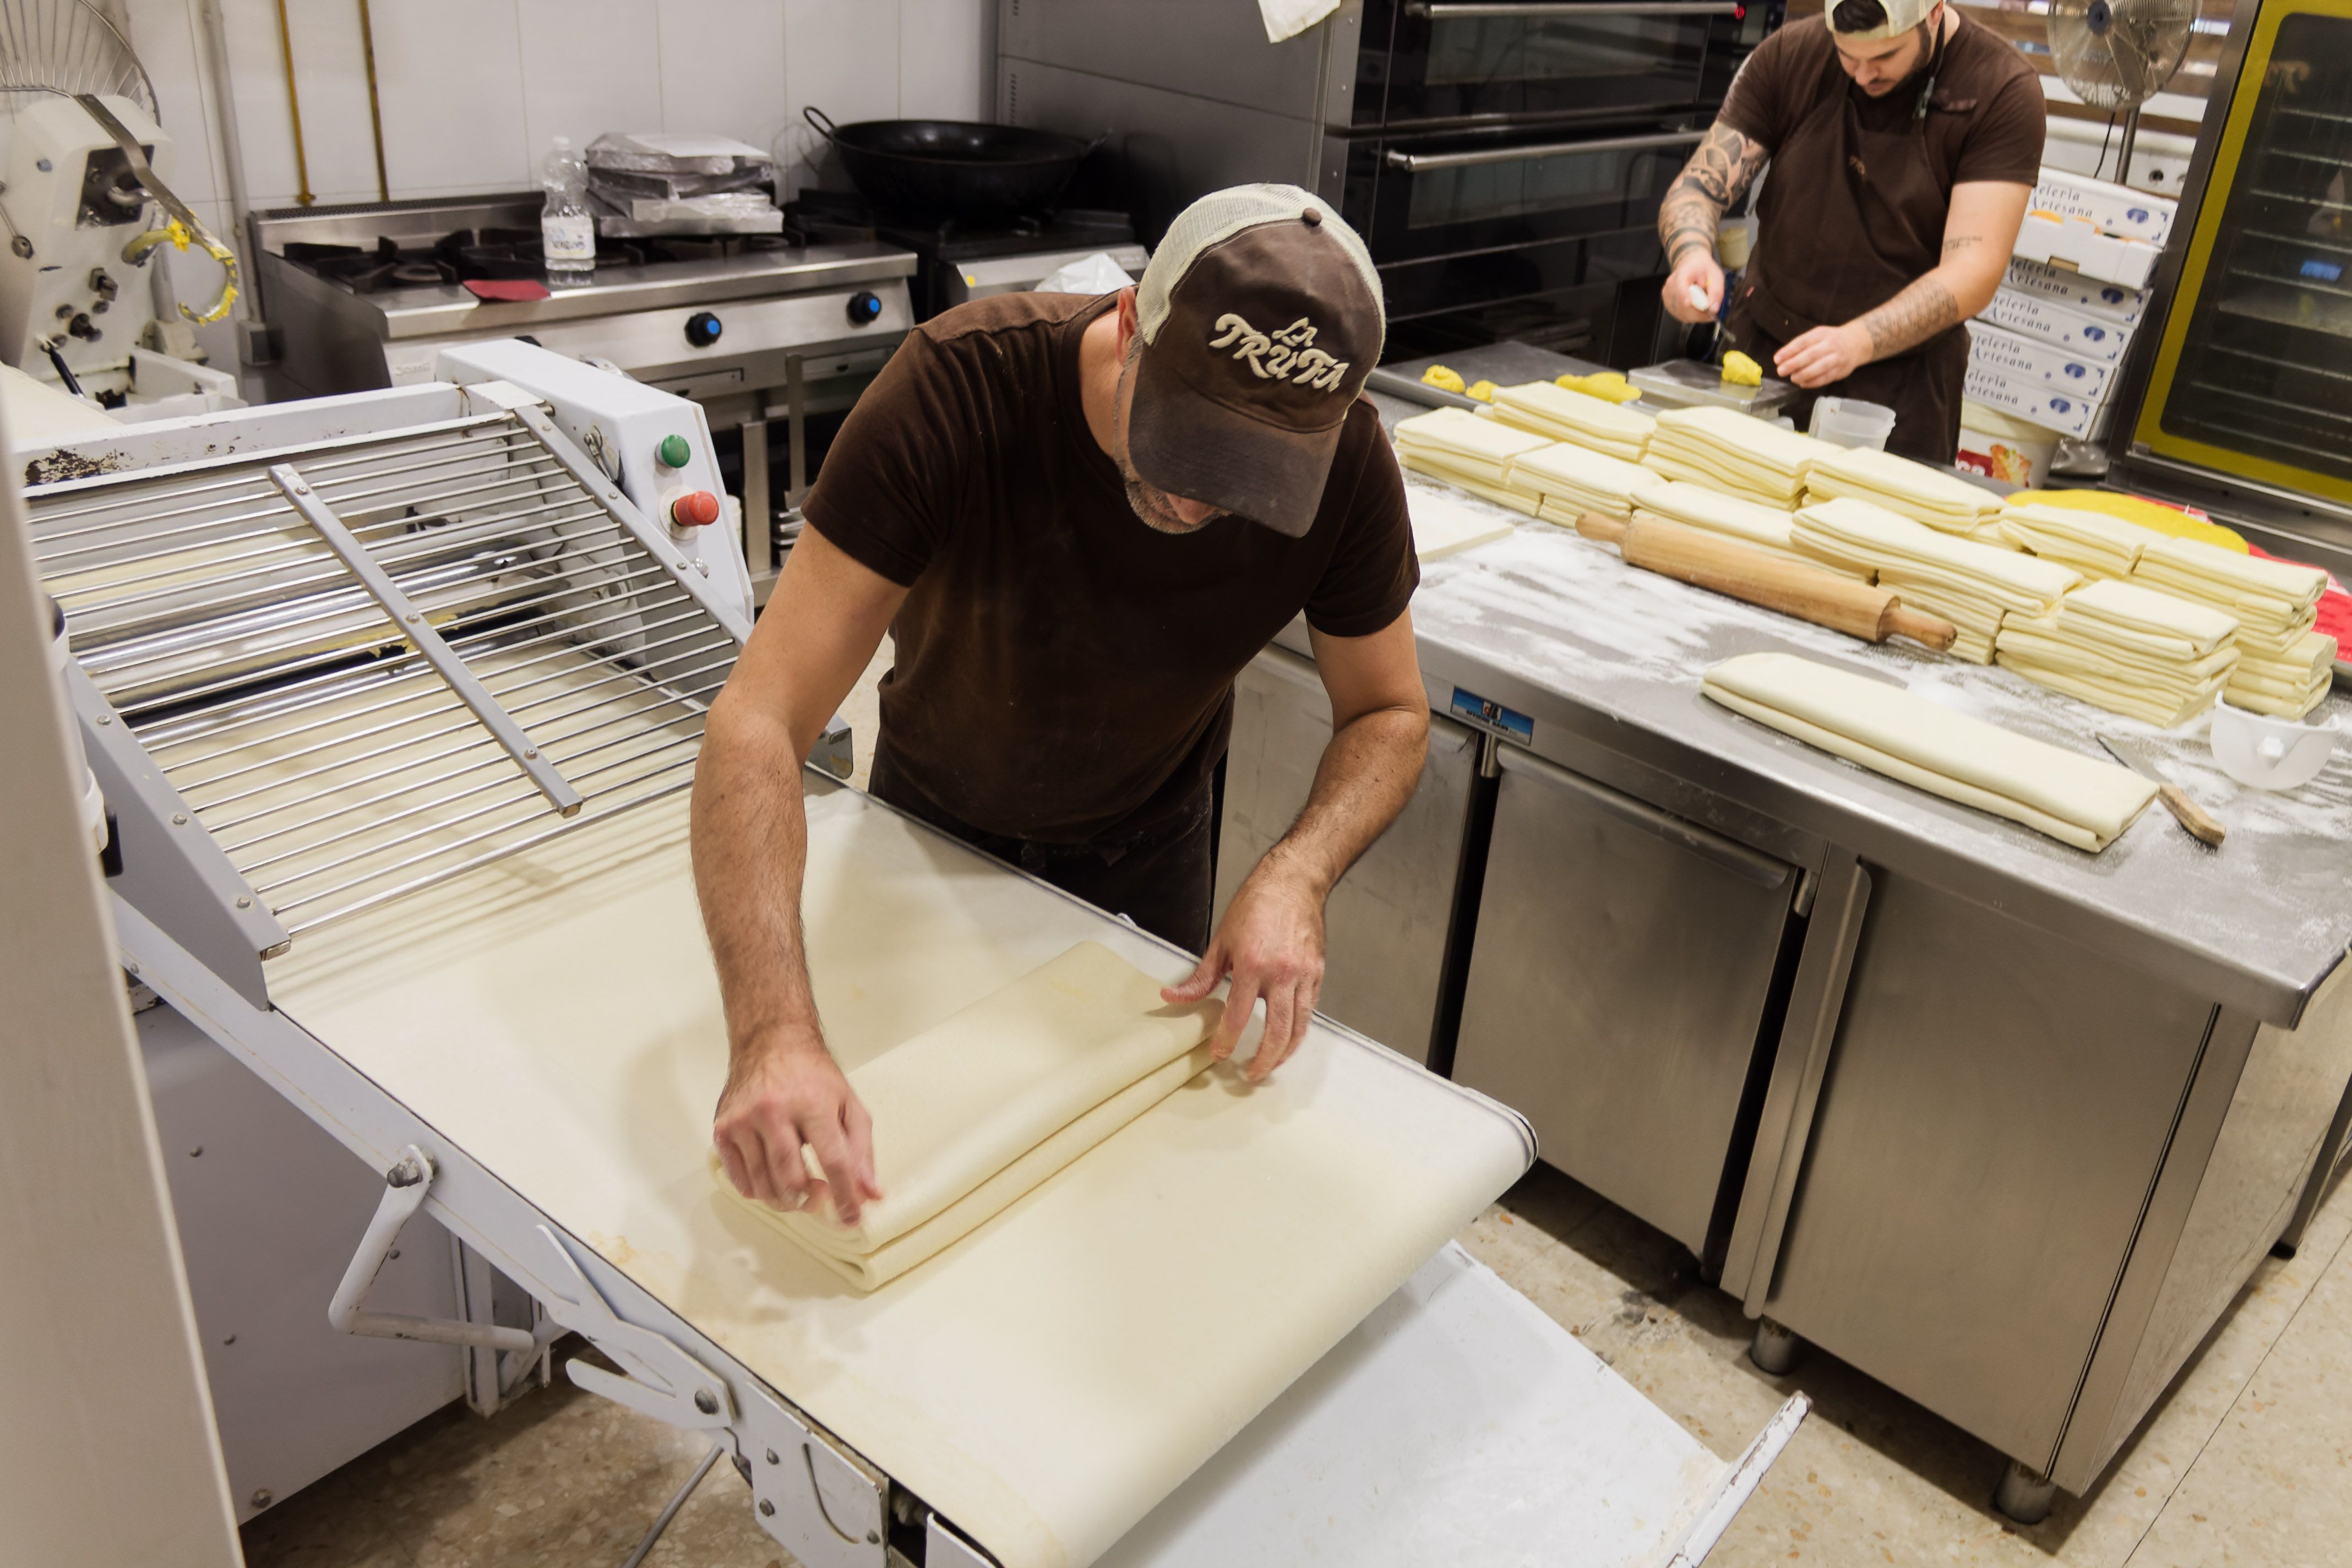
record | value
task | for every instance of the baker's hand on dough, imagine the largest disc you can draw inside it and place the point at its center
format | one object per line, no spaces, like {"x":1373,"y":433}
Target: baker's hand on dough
{"x":1696,"y":271}
{"x":1823,"y":355}
{"x":782,"y":1098}
{"x":1271,"y":942}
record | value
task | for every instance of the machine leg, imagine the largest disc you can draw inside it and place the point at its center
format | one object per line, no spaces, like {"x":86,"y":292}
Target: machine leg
{"x":1776,"y":1350}
{"x":2024,"y":1495}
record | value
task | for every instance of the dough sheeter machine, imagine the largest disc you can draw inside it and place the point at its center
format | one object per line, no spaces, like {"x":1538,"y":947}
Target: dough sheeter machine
{"x":395,"y":699}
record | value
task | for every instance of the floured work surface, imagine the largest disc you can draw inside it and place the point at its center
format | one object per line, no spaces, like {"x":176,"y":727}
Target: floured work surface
{"x":1044,"y":1381}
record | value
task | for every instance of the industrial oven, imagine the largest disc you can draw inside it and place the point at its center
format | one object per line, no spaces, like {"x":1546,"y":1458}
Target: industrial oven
{"x":1503,"y":161}
{"x":396,"y":699}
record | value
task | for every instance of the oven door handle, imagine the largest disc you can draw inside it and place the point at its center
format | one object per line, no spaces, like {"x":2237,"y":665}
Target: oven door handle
{"x":1416,"y":163}
{"x":1451,"y":10}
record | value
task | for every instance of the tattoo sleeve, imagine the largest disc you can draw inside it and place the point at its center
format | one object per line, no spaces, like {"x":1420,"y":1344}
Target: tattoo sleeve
{"x":1911,"y":318}
{"x":1719,"y":174}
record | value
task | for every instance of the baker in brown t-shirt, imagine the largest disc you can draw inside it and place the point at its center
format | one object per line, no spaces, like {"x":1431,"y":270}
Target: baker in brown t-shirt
{"x":1079,"y":517}
{"x":1904,"y":141}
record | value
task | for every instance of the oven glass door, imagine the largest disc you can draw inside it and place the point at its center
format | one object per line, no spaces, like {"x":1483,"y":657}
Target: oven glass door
{"x":1438,"y":197}
{"x":1456,"y":60}
{"x":2253,"y":377}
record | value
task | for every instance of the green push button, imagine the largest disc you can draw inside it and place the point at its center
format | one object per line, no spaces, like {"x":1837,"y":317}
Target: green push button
{"x":674,"y":452}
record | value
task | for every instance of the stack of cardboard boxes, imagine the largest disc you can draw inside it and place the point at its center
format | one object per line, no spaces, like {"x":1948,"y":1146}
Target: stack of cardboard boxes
{"x":2046,"y":353}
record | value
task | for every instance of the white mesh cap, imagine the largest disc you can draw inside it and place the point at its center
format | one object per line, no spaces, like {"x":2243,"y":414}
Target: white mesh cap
{"x":1901,"y":16}
{"x":1219,"y":215}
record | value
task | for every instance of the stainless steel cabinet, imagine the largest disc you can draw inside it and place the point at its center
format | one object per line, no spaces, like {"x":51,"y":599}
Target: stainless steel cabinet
{"x":1619,"y":981}
{"x":2018,"y":1181}
{"x":1388,"y":920}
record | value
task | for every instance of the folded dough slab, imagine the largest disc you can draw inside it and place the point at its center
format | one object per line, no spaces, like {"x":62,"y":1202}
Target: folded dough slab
{"x":1591,"y":422}
{"x":2078,"y":800}
{"x":1047,"y":1380}
{"x":2127,"y":648}
{"x":1973,"y":586}
{"x":1936,"y":497}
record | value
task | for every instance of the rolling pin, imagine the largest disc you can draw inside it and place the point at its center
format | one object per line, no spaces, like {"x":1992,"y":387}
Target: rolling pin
{"x":1740,"y":572}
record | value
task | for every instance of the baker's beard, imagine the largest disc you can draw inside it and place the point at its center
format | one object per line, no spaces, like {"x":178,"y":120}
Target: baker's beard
{"x":1149,"y":502}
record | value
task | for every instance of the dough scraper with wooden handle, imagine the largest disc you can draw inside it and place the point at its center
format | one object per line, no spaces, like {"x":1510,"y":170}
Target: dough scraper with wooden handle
{"x":1741,"y":571}
{"x":2202,"y":824}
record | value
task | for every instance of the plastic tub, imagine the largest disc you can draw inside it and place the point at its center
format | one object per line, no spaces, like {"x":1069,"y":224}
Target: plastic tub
{"x":2003,"y":446}
{"x":1851,"y":422}
{"x":2269,"y":753}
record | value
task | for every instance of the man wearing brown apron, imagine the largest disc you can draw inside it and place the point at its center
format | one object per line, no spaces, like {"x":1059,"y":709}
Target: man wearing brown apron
{"x":1904,"y":140}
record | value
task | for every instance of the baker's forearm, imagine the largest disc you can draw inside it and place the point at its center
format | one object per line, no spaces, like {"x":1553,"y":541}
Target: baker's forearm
{"x":750,"y":845}
{"x":1367,"y":775}
{"x":1718,"y":174}
{"x":1923,"y":310}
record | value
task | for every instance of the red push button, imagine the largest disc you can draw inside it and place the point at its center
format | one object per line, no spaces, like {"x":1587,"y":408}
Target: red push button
{"x":696,"y":508}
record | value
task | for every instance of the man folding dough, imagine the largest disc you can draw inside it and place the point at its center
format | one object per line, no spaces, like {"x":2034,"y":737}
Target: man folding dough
{"x":1904,"y":140}
{"x":1079,"y":519}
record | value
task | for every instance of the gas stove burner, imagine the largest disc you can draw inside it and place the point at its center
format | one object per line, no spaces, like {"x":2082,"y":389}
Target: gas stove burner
{"x":501,"y":254}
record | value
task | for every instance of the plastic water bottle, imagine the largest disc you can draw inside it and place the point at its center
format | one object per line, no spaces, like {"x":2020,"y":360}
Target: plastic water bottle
{"x":567,"y":233}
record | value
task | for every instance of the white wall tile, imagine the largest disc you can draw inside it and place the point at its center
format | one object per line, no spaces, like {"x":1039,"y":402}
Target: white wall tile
{"x":842,"y":56}
{"x":451,"y":73}
{"x":588,"y":66}
{"x":945,"y":58}
{"x":164,"y":35}
{"x":723,"y":68}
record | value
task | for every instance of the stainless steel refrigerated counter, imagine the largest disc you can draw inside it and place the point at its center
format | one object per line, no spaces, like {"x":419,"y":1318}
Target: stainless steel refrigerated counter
{"x":2004,"y":1124}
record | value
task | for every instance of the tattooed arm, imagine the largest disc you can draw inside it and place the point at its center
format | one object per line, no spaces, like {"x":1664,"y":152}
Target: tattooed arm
{"x":1979,"y":233}
{"x":1718,"y":174}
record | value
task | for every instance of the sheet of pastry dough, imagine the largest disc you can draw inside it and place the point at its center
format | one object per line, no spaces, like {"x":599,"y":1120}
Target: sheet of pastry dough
{"x":2141,"y":617}
{"x":2275,"y":593}
{"x":975,"y":1110}
{"x":1438,"y":466}
{"x":1575,"y":480}
{"x":1045,"y":1383}
{"x":1442,"y":526}
{"x":1938,"y":498}
{"x":2092,"y":543}
{"x":2074,"y":799}
{"x":1545,"y":409}
{"x":1859,"y":531}
{"x":1481,"y":448}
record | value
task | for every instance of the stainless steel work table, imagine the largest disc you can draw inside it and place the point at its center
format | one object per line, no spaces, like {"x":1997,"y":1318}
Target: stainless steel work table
{"x":2015,"y":1123}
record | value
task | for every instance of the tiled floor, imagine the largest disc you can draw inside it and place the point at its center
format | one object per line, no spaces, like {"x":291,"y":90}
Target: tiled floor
{"x":2245,"y":1461}
{"x":2248,"y":1461}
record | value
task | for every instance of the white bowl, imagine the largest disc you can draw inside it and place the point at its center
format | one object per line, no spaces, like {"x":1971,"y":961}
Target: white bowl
{"x":2270,"y":753}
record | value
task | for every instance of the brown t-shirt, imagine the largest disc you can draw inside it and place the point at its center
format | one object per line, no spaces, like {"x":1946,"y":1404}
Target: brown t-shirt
{"x":1064,"y":672}
{"x":1989,"y":120}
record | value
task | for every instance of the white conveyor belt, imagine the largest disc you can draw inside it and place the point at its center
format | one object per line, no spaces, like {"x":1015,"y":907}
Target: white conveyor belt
{"x":1043,"y":1383}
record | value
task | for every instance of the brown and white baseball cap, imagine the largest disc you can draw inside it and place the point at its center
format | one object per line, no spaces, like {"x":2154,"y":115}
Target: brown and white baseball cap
{"x":1261,"y":317}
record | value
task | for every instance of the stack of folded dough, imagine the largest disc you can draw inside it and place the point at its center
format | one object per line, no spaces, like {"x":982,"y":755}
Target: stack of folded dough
{"x":1938,"y":498}
{"x":2283,"y":666}
{"x":1456,"y":446}
{"x":1545,"y":409}
{"x":1764,"y":528}
{"x":2078,"y":800}
{"x":972,"y":1113}
{"x":2128,"y":649}
{"x":1731,"y":451}
{"x":2092,"y":543}
{"x":1560,"y":481}
{"x":1973,"y":586}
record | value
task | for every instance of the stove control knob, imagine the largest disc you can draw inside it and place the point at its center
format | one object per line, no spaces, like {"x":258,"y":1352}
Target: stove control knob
{"x":702,"y":329}
{"x":695,"y":509}
{"x":864,"y":308}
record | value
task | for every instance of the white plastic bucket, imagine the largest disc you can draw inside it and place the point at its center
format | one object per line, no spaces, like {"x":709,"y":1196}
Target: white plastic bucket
{"x":2003,"y":446}
{"x":1851,"y":422}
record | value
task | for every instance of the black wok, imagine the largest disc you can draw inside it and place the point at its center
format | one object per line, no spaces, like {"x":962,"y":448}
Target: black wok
{"x":929,"y":172}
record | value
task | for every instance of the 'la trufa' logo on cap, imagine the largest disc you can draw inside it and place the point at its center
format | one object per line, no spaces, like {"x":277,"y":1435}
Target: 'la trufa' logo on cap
{"x":1288,"y":355}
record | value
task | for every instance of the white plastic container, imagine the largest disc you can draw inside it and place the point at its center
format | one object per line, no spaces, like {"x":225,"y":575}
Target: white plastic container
{"x":2269,"y":753}
{"x":1851,"y":422}
{"x":2002,"y":446}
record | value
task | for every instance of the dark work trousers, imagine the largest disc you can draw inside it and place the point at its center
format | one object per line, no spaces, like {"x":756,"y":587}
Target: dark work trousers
{"x":1159,"y":879}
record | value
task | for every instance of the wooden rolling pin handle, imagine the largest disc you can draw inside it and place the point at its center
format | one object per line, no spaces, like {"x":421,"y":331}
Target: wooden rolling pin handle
{"x":1601,"y":530}
{"x":2201,"y":822}
{"x":1902,"y":621}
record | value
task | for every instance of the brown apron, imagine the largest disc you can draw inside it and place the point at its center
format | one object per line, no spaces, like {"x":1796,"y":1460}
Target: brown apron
{"x":1847,"y":220}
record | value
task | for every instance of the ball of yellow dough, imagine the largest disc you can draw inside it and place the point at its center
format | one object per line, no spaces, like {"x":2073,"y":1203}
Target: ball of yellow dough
{"x":1738,"y":369}
{"x":1484,"y":391}
{"x":1440,"y":377}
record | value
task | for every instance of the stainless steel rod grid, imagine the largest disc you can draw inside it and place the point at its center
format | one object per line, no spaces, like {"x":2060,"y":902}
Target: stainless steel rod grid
{"x":367,"y":666}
